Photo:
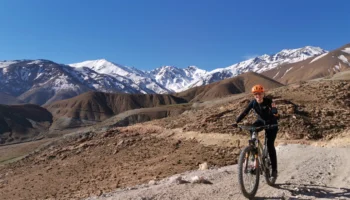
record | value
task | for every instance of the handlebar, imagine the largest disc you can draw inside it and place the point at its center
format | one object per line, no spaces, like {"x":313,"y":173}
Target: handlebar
{"x":254,"y":128}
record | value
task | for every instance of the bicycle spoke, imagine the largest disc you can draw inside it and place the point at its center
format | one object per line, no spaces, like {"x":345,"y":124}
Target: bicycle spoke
{"x":249,"y":177}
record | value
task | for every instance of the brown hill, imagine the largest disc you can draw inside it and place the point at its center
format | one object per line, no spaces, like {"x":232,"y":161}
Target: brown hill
{"x":9,"y":100}
{"x":324,"y":65}
{"x":239,"y":84}
{"x":44,"y":95}
{"x":19,"y":123}
{"x":92,"y":107}
{"x":308,"y":110}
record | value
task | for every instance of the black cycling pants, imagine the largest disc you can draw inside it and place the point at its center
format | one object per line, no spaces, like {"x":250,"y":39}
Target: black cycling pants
{"x":270,"y":137}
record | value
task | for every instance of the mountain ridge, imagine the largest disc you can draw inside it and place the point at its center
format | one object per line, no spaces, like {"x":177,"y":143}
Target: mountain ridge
{"x":43,"y":81}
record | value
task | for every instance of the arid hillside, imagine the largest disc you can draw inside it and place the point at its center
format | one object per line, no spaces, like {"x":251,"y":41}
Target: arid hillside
{"x":21,"y":123}
{"x":325,"y":65}
{"x":239,"y":84}
{"x":93,"y":107}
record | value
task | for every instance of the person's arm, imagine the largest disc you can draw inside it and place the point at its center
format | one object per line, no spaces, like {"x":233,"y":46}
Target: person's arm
{"x":274,"y":109}
{"x":245,"y":112}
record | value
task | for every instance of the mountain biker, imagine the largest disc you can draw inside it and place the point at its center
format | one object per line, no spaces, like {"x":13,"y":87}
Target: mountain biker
{"x":266,"y":112}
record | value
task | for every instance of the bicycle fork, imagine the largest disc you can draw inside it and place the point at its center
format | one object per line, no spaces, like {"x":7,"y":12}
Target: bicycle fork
{"x":261,"y":158}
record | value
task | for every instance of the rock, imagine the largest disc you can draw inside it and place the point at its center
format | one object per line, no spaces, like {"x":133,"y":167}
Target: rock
{"x":238,"y":142}
{"x":177,"y":180}
{"x":83,"y":145}
{"x":329,"y":113}
{"x":152,"y":182}
{"x":203,"y":166}
{"x":290,"y":110}
{"x":108,"y":134}
{"x":197,"y":179}
{"x":120,"y":142}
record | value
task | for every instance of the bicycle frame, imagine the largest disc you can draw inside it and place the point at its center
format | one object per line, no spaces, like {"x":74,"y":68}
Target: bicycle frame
{"x":256,"y":144}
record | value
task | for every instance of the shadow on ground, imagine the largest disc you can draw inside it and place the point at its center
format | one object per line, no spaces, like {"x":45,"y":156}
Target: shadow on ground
{"x":308,"y":191}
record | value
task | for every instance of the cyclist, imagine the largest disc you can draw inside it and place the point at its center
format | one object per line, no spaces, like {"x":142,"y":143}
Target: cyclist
{"x":266,"y":112}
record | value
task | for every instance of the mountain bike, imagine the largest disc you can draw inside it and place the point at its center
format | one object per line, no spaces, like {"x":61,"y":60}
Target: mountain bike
{"x":254,"y":160}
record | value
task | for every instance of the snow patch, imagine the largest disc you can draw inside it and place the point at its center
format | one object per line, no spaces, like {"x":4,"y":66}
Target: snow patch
{"x":346,"y":50}
{"x":4,"y":64}
{"x":287,"y":71}
{"x":318,"y":57}
{"x":4,"y":70}
{"x":35,"y":62}
{"x":25,"y":72}
{"x":275,"y":75}
{"x":103,"y":66}
{"x":344,"y":59}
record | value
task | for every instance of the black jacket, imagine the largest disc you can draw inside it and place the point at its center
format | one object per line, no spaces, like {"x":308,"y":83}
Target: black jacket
{"x":264,"y":111}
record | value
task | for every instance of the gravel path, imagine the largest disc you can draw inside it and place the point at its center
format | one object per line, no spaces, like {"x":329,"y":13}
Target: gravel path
{"x":305,"y":172}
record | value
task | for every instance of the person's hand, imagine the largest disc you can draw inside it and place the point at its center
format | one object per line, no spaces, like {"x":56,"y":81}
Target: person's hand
{"x":273,"y":105}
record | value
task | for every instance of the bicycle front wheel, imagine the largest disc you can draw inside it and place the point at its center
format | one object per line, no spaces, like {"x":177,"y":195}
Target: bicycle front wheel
{"x":248,"y":172}
{"x":268,"y":169}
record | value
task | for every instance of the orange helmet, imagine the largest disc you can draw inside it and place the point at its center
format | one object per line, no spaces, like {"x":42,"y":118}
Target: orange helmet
{"x":257,"y":89}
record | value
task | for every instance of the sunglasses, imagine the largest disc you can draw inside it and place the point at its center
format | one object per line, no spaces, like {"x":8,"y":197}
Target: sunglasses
{"x":257,"y":94}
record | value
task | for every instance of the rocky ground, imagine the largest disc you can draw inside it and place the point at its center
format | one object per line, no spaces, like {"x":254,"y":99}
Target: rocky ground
{"x":91,"y":164}
{"x":308,"y":110}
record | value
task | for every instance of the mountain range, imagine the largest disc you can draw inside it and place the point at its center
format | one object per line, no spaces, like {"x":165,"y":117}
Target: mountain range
{"x":43,"y":82}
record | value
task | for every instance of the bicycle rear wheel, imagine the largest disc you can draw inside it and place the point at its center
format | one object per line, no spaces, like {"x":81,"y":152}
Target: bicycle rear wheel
{"x":248,"y":173}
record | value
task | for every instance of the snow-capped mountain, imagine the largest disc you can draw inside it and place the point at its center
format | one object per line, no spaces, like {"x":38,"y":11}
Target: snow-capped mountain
{"x":174,"y":78}
{"x":141,"y":80}
{"x":259,"y":64}
{"x":103,"y":66}
{"x":326,"y":64}
{"x":43,"y":81}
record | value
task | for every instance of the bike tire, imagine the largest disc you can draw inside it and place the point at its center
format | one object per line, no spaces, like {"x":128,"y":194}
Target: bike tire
{"x":241,"y":167}
{"x":267,"y":162}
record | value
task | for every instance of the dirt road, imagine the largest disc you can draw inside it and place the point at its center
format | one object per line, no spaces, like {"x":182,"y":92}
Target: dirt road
{"x":305,"y":172}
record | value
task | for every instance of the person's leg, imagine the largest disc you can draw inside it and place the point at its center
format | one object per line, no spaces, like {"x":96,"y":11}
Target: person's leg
{"x":271,"y":136}
{"x":258,"y":123}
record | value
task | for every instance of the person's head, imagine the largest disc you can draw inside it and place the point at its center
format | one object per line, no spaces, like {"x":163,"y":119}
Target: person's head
{"x":258,"y":92}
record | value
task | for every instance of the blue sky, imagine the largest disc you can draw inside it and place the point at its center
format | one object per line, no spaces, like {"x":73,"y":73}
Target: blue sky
{"x":150,"y":33}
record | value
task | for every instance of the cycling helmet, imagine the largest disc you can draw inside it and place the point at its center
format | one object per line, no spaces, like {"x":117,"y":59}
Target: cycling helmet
{"x":257,"y":89}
